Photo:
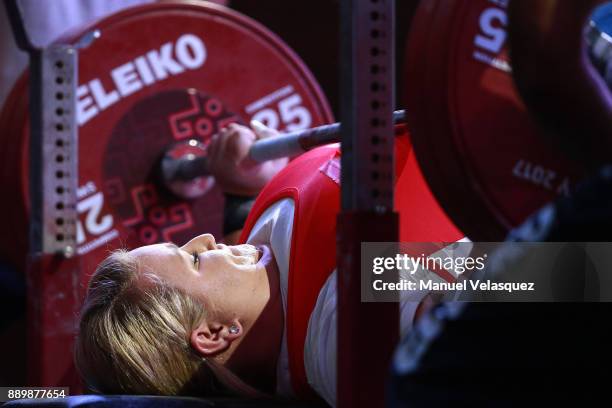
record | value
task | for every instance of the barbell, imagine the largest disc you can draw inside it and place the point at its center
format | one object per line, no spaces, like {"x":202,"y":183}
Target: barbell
{"x":191,"y":166}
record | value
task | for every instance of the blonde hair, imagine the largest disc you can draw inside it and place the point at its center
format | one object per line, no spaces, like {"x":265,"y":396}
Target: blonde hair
{"x":135,"y":338}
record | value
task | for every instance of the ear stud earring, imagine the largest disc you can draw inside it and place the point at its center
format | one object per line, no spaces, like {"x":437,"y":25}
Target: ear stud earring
{"x":234,"y":329}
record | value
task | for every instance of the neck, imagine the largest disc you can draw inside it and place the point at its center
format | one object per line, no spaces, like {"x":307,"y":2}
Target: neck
{"x":255,"y":358}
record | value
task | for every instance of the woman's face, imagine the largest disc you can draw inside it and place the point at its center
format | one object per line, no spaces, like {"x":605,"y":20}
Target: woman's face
{"x":227,"y":279}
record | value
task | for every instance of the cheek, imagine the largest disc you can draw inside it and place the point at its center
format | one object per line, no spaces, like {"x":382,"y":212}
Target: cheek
{"x":216,"y":287}
{"x":219,"y":272}
{"x":229,"y":292}
{"x":225,"y":302}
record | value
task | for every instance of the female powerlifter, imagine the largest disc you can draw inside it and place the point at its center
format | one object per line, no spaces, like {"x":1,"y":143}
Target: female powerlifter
{"x":253,"y":319}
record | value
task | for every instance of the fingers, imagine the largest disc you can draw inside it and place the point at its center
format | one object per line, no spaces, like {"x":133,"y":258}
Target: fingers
{"x":213,"y":147}
{"x":216,"y":149}
{"x":229,"y":162}
{"x":262,"y":131}
{"x":230,"y":145}
{"x":238,"y":143}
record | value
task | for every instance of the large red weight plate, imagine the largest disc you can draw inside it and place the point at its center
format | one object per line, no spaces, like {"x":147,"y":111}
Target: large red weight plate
{"x":146,"y":84}
{"x":482,"y":155}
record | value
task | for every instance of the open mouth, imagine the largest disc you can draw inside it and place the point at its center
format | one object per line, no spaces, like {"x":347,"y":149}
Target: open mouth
{"x":246,"y":251}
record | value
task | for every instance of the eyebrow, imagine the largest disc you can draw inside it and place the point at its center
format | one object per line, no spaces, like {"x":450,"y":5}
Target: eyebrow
{"x":177,"y":250}
{"x":172,"y":246}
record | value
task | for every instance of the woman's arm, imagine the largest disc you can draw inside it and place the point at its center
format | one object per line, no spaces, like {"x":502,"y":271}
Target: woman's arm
{"x":240,"y":178}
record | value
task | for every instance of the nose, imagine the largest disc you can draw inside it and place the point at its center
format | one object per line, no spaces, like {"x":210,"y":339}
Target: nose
{"x":202,"y":242}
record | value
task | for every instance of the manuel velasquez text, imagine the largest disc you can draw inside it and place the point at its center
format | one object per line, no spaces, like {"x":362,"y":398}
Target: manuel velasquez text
{"x":430,"y":285}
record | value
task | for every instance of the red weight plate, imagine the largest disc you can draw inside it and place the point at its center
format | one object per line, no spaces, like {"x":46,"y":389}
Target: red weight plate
{"x":479,"y":149}
{"x":146,"y":59}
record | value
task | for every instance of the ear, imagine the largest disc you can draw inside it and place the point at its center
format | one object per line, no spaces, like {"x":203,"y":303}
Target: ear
{"x":210,"y":339}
